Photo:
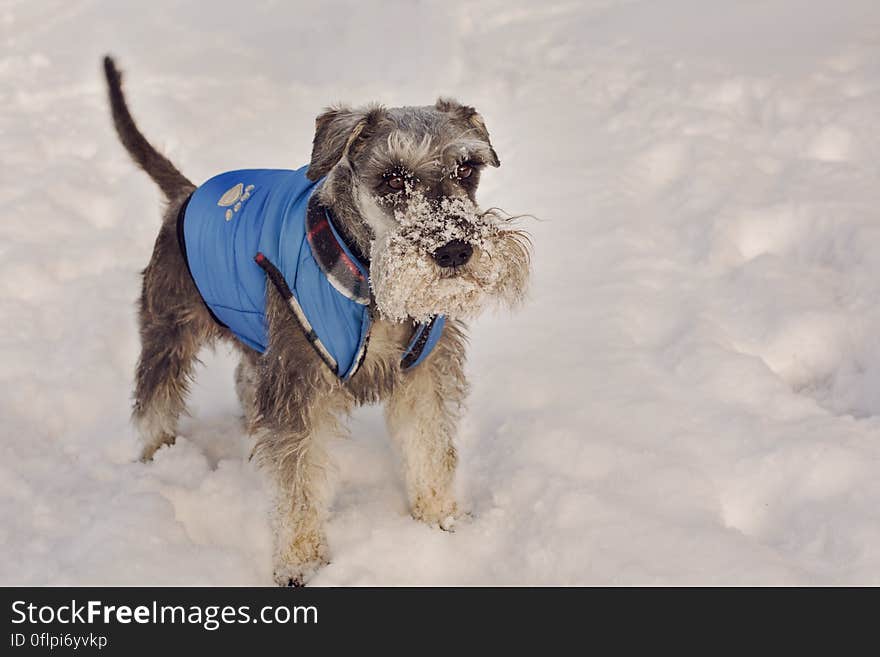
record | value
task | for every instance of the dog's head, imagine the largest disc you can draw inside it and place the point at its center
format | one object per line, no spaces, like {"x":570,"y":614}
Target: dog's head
{"x":402,"y":183}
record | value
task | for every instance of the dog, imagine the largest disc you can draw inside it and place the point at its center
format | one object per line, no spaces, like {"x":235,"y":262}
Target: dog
{"x":388,"y":230}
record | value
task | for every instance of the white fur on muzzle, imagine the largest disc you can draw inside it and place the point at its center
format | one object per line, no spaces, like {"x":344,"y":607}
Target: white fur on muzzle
{"x":406,"y":281}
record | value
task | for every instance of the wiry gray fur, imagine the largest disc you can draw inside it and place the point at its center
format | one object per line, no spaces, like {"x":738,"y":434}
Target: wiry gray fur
{"x":293,"y":404}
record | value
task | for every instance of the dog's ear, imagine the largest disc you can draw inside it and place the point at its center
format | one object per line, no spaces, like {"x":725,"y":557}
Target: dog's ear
{"x":337,"y":131}
{"x":472,"y":119}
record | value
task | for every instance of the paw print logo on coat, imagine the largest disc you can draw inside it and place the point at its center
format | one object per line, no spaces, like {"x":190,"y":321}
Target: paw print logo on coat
{"x":234,"y":198}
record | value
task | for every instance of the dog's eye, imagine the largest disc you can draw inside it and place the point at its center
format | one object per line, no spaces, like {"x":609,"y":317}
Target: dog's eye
{"x":464,"y":171}
{"x":395,"y":182}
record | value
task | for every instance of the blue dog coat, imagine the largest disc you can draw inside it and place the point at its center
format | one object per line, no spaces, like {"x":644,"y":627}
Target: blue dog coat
{"x":242,"y":226}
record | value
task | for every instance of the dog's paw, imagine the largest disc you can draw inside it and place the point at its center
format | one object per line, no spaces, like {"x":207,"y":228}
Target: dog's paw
{"x":437,"y":512}
{"x":451,"y":522}
{"x":296,"y":575}
{"x":447,"y":524}
{"x":148,"y":450}
{"x":300,"y":559}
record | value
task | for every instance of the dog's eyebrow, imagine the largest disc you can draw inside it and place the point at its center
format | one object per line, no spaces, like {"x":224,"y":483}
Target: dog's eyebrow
{"x":464,"y":150}
{"x":411,"y":151}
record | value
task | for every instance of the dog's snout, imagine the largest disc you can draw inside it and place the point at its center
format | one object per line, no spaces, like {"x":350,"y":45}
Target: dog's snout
{"x":454,"y":254}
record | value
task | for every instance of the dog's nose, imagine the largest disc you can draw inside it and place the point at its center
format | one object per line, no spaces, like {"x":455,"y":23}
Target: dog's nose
{"x":454,"y":254}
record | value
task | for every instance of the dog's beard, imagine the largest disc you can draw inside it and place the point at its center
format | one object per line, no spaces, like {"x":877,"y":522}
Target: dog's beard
{"x":406,"y":281}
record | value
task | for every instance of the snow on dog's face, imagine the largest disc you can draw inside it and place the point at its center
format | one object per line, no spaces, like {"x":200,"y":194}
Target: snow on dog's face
{"x":404,"y":189}
{"x":410,"y":279}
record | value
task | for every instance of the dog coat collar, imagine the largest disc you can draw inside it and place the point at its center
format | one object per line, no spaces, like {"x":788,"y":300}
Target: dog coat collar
{"x":242,"y":227}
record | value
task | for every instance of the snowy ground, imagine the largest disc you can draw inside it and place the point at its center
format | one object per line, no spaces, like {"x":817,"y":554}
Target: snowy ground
{"x":692,"y":394}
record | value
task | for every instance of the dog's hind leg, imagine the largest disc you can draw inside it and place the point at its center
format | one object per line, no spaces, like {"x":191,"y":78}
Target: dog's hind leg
{"x":422,"y":415}
{"x":164,"y":371}
{"x":246,"y":385}
{"x":174,"y":325}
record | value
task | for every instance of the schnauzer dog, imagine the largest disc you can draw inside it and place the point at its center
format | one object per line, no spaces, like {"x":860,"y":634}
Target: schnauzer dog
{"x":367,"y":261}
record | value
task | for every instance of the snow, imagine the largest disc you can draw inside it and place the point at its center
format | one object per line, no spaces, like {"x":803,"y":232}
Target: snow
{"x":690,"y":395}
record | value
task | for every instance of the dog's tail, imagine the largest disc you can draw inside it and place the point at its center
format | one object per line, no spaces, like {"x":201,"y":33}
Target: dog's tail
{"x":158,"y":167}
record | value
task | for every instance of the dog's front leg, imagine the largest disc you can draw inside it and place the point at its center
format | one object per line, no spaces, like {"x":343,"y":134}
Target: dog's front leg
{"x":422,"y":415}
{"x":297,"y":458}
{"x":298,"y":408}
